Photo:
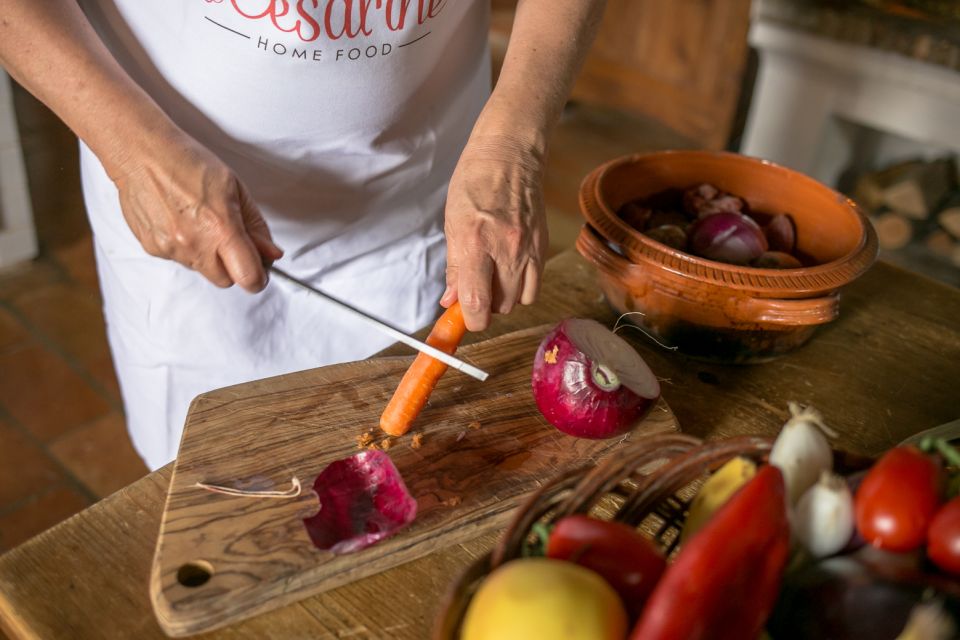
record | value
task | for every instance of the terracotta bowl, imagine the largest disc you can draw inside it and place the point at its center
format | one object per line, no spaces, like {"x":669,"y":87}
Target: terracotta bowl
{"x":712,"y":310}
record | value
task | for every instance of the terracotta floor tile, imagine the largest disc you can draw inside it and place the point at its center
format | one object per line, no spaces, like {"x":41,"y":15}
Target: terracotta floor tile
{"x":12,"y":332}
{"x":78,"y":262}
{"x":39,"y":513}
{"x":100,"y":455}
{"x":25,"y":468}
{"x":72,"y":318}
{"x":44,"y":394}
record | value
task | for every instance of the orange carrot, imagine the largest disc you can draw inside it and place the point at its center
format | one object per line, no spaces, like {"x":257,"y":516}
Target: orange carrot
{"x":422,"y":376}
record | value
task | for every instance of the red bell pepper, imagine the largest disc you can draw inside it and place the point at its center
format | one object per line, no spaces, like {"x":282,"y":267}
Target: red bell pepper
{"x":726,"y":578}
{"x":629,"y":562}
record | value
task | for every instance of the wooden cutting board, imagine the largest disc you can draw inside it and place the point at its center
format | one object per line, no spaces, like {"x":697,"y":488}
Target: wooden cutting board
{"x":484,"y":446}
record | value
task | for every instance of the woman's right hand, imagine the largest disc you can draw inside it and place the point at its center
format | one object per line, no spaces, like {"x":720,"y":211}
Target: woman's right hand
{"x":179,"y":199}
{"x":184,"y":204}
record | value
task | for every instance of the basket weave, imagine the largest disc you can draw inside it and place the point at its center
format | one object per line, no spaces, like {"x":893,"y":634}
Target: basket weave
{"x":648,"y":486}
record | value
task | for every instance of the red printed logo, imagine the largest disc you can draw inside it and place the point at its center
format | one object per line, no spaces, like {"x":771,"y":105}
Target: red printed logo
{"x":336,"y":19}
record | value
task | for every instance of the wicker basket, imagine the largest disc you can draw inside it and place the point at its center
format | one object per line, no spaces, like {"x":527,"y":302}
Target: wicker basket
{"x":648,"y":486}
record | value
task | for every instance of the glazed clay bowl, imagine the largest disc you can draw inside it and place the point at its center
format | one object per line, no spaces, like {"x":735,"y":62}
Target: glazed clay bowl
{"x":712,"y":310}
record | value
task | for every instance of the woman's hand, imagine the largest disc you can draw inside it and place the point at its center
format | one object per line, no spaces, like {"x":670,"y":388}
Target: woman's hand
{"x":184,"y":204}
{"x":496,"y":229}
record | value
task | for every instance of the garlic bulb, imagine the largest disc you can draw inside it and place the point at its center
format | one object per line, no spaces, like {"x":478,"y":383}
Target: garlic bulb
{"x":801,"y":451}
{"x":823,"y":519}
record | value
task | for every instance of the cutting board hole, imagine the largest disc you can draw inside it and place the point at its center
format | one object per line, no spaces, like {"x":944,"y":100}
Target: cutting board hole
{"x":195,"y":574}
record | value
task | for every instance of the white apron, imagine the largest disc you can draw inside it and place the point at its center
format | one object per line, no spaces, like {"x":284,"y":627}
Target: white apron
{"x":345,"y":119}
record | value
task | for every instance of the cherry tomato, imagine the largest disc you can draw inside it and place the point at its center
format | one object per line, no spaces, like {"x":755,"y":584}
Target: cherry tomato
{"x":943,"y":538}
{"x":898,"y":498}
{"x":630,"y":563}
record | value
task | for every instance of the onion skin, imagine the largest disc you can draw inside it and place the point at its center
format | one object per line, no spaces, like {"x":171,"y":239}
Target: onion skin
{"x":363,"y":500}
{"x":570,"y":398}
{"x":727,"y":237}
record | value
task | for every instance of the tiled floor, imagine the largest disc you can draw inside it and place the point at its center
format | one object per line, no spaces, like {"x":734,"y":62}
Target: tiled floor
{"x":63,"y":444}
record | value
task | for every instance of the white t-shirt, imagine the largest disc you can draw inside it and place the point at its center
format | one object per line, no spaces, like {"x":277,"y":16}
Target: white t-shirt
{"x":344,"y":119}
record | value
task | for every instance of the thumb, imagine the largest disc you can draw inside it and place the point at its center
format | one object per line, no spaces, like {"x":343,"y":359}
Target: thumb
{"x":256,"y":226}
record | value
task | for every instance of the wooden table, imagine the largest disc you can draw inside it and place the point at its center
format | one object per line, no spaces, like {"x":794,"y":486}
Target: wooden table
{"x":889,"y":367}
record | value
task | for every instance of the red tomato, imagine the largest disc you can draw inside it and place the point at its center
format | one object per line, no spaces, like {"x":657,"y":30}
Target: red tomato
{"x":943,"y":538}
{"x":630,"y":563}
{"x":898,"y":498}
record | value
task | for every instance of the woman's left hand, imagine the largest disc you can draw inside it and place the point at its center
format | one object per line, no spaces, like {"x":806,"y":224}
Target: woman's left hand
{"x":496,"y":229}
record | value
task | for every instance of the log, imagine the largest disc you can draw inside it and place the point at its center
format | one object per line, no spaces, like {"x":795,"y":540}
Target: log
{"x":913,"y":188}
{"x":949,"y":219}
{"x":918,"y":193}
{"x":893,"y":230}
{"x":869,"y":187}
{"x":941,"y":243}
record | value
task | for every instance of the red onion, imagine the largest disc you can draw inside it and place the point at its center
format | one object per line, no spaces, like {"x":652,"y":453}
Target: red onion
{"x":706,"y":200}
{"x":635,"y":215}
{"x":776,"y":260}
{"x":670,"y":235}
{"x":663,"y":218}
{"x":363,"y":500}
{"x":695,"y":198}
{"x":589,"y":382}
{"x":722,"y":204}
{"x":781,"y":233}
{"x":727,"y":237}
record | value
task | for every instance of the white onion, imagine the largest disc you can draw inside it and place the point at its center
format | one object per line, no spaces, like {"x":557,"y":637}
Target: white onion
{"x":823,"y":519}
{"x":801,"y":451}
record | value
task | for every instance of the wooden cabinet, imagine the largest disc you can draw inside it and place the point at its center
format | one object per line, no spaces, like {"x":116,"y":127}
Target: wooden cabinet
{"x":679,"y":61}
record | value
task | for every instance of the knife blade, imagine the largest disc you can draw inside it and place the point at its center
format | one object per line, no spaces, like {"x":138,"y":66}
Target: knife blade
{"x":948,"y":431}
{"x":387,"y":329}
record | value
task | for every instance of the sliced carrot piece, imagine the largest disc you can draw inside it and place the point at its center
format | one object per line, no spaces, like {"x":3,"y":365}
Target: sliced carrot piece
{"x":422,"y":376}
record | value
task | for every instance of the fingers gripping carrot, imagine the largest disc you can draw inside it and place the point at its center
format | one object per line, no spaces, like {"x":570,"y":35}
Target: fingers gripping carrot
{"x":422,"y":376}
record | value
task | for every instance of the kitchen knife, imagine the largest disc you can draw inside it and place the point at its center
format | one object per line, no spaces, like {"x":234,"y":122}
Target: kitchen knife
{"x":385,"y":328}
{"x":948,"y":431}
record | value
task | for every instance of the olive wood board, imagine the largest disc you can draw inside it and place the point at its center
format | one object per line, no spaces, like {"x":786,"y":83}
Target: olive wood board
{"x":484,"y":446}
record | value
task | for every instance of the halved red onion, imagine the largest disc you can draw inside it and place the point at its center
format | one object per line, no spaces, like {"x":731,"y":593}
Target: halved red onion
{"x":727,"y":237}
{"x":589,"y":382}
{"x":363,"y":500}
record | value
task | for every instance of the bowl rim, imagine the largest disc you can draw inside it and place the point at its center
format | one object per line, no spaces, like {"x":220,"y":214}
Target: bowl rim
{"x":639,"y":248}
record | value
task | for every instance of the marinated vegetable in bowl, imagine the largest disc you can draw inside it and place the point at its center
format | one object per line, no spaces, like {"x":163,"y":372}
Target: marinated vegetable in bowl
{"x":704,"y":221}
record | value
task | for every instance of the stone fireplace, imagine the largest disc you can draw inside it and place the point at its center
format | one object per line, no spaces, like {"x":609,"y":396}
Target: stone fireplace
{"x":849,"y":89}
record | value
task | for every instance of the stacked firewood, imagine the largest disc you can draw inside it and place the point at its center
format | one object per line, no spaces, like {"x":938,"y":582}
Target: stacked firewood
{"x":915,"y":203}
